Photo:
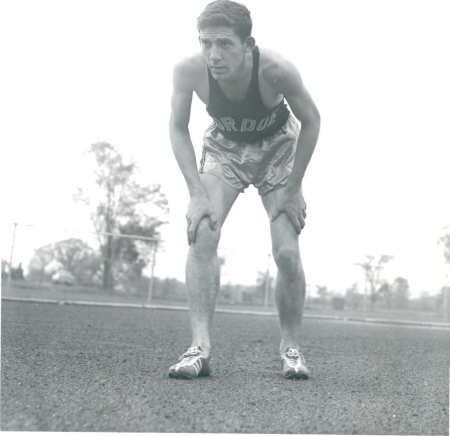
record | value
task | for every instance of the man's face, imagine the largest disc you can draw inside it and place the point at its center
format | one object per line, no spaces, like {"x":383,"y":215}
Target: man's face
{"x":223,"y":51}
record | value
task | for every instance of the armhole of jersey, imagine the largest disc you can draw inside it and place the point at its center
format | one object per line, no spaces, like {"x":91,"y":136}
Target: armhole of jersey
{"x":256,"y":89}
{"x":255,"y":69}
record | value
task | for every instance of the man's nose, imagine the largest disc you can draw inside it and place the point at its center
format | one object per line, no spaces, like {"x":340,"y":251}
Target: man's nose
{"x":214,"y":54}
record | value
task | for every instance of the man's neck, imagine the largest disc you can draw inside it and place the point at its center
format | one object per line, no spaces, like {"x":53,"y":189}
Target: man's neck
{"x":238,"y":84}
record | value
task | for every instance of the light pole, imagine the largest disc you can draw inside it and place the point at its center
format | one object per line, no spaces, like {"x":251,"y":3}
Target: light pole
{"x":152,"y":279}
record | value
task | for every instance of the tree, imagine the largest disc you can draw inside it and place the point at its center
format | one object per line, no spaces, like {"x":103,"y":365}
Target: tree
{"x":264,"y":287}
{"x":39,"y":262}
{"x":372,"y":268}
{"x":72,"y":256}
{"x":353,"y":297}
{"x":400,"y":293}
{"x":132,"y":255}
{"x":445,"y":241}
{"x":323,"y":293}
{"x":385,"y":292}
{"x":121,"y":205}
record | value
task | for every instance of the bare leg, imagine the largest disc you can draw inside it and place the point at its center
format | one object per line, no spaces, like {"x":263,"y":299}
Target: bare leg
{"x":290,"y":283}
{"x":202,"y":267}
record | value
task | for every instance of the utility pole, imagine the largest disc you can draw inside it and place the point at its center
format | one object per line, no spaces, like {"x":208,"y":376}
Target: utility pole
{"x":11,"y":256}
{"x":446,"y":288}
{"x":108,"y":282}
{"x":151,"y":281}
{"x":446,"y":292}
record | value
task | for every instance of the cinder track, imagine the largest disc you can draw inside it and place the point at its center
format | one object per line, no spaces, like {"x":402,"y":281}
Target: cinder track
{"x":81,"y":368}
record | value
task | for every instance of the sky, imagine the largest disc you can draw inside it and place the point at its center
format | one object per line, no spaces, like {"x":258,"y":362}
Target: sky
{"x":78,"y":72}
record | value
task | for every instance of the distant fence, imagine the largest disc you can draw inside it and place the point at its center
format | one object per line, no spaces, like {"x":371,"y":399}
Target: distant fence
{"x":61,"y":281}
{"x":72,"y":264}
{"x":76,"y":258}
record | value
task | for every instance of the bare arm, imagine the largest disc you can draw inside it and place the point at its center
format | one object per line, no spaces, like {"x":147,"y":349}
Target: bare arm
{"x":288,"y":82}
{"x":199,"y":205}
{"x":285,"y":80}
{"x":179,"y":131}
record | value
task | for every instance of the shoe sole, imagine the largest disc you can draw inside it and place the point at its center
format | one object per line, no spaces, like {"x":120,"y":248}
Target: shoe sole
{"x":295,"y":376}
{"x":180,"y":375}
{"x":204,"y":372}
{"x":185,"y":376}
{"x":291,"y":374}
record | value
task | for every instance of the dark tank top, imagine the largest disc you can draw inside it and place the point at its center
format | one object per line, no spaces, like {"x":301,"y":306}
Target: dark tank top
{"x":247,"y":120}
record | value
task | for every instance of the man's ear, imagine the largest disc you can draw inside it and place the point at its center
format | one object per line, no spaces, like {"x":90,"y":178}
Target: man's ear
{"x":250,"y":42}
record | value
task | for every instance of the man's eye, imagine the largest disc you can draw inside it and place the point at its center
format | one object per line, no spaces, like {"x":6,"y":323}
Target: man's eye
{"x":225,"y":43}
{"x":206,"y":44}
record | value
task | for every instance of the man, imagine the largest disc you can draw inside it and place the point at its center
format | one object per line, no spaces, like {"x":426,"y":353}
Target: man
{"x":254,"y":140}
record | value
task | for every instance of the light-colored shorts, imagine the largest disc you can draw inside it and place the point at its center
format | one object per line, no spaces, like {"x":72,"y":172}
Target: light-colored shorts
{"x":266,"y":164}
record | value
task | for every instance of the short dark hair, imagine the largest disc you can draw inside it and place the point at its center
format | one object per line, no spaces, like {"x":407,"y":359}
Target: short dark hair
{"x":227,"y":13}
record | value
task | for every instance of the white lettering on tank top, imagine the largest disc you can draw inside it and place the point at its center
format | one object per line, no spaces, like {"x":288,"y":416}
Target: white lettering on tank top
{"x":230,"y":124}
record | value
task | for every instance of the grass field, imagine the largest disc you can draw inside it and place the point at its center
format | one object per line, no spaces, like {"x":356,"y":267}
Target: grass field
{"x":74,"y":293}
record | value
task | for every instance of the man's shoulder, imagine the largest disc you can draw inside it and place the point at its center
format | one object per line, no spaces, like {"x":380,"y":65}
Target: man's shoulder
{"x":274,"y":67}
{"x":189,"y":70}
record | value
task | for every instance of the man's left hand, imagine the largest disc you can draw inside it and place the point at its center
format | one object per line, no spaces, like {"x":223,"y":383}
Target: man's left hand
{"x":291,"y":202}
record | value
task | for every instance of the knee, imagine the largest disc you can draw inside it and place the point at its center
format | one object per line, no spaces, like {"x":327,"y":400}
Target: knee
{"x":287,"y":259}
{"x":206,"y":240}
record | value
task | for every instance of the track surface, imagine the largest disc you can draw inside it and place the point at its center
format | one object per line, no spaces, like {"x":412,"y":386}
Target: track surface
{"x":73,"y":368}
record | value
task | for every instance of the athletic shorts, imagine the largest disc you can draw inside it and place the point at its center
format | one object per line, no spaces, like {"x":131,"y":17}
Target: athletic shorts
{"x":266,"y":164}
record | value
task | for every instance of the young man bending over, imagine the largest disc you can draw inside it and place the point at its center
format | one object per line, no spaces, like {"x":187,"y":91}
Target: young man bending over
{"x":254,"y":139}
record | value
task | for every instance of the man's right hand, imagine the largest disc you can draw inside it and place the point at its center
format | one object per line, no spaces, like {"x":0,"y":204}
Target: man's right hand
{"x":199,"y":207}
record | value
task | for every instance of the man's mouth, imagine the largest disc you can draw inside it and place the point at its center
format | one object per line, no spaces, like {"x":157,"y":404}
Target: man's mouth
{"x":217,"y":69}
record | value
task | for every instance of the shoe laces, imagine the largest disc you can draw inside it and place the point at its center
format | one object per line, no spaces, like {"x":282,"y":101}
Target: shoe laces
{"x":191,"y":352}
{"x":293,"y":355}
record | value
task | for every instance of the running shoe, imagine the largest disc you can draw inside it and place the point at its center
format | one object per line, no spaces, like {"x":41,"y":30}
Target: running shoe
{"x":191,"y":364}
{"x":293,"y":364}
